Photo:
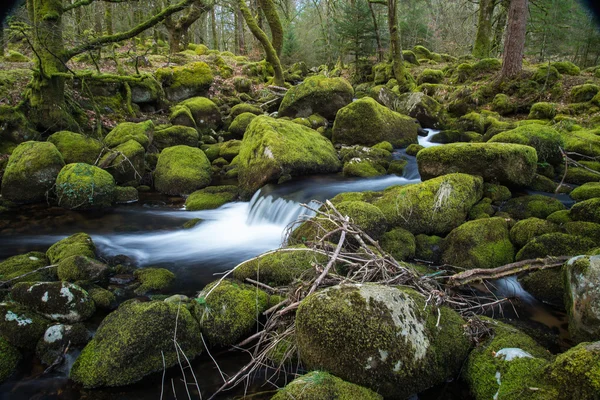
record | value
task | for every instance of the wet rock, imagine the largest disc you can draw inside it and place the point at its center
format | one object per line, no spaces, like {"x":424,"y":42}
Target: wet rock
{"x":78,"y":244}
{"x":84,"y":187}
{"x":19,"y":326}
{"x":103,"y":299}
{"x":153,"y":279}
{"x":22,"y":264}
{"x":582,"y":286}
{"x":211,"y":197}
{"x":76,"y":148}
{"x":546,"y":286}
{"x":322,"y":385}
{"x":9,"y":358}
{"x":82,"y":268}
{"x":181,"y":170}
{"x":57,"y":338}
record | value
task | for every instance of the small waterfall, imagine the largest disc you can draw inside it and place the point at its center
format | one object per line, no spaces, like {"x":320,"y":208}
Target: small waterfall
{"x":276,"y":210}
{"x":425,"y":141}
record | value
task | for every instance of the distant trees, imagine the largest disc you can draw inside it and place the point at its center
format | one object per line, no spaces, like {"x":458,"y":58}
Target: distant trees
{"x":483,"y":39}
{"x":356,"y":27}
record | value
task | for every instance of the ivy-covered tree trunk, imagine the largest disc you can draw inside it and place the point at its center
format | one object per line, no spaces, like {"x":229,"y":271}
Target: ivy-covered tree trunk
{"x":108,"y":18}
{"x":483,"y":38}
{"x":178,"y":29}
{"x":395,"y":47}
{"x":514,"y":45}
{"x":274,"y":22}
{"x":499,"y":26}
{"x":213,"y":27}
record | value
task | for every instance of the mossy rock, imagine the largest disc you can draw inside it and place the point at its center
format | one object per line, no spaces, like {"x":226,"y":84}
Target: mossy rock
{"x":566,"y":67}
{"x":590,"y":230}
{"x":126,"y":195}
{"x":181,"y":170}
{"x":153,"y":279}
{"x":582,"y":297}
{"x":546,"y":75}
{"x":422,"y":52}
{"x":535,"y":205}
{"x":579,"y":176}
{"x":230,"y":149}
{"x":542,"y":110}
{"x":31,"y":172}
{"x":487,"y":65}
{"x":212,"y":151}
{"x":400,"y":243}
{"x":84,"y":187}
{"x":186,"y":81}
{"x":211,"y":197}
{"x":367,"y":122}
{"x":428,"y":248}
{"x":16,"y":266}
{"x":198,"y":112}
{"x":380,"y":337}
{"x":16,"y":57}
{"x":576,"y":372}
{"x":417,"y":105}
{"x":126,"y":162}
{"x":455,"y":136}
{"x":238,"y":126}
{"x":174,"y":136}
{"x":244,"y":108}
{"x":508,"y":164}
{"x":228,"y":310}
{"x":59,"y":337}
{"x":546,"y":286}
{"x":137,"y":340}
{"x":57,"y":301}
{"x":482,"y":243}
{"x":583,"y":93}
{"x":82,"y":268}
{"x":503,"y":105}
{"x":588,"y":210}
{"x":103,"y":299}
{"x":413,"y":149}
{"x":141,"y":132}
{"x":483,"y":209}
{"x":541,"y":183}
{"x":76,"y":148}
{"x":363,"y":168}
{"x":317,"y":94}
{"x":282,"y":266}
{"x":430,"y":76}
{"x":79,"y":244}
{"x":555,"y":244}
{"x":322,"y":385}
{"x":20,"y":326}
{"x":274,"y":148}
{"x":9,"y":358}
{"x":496,"y":193}
{"x":586,"y":191}
{"x":586,"y":142}
{"x":559,"y":217}
{"x":525,"y":230}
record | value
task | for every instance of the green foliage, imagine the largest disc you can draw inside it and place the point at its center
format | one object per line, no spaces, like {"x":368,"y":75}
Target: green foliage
{"x":355,"y":25}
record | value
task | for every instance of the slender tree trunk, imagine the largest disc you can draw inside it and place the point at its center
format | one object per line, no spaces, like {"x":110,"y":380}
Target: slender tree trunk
{"x":242,"y":38}
{"x":395,"y":47}
{"x":483,"y":39}
{"x":514,"y":45}
{"x":108,"y":18}
{"x":2,"y":44}
{"x":213,"y":25}
{"x":377,"y":36}
{"x":274,"y":22}
{"x":500,"y":27}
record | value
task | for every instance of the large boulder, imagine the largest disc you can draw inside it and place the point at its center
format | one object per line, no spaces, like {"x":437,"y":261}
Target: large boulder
{"x":582,"y":288}
{"x":21,"y":264}
{"x":175,"y":135}
{"x":82,"y":268}
{"x":317,"y":94}
{"x":507,"y":164}
{"x":588,"y":210}
{"x":555,"y":244}
{"x":545,"y":140}
{"x":9,"y":358}
{"x":322,"y":385}
{"x":532,"y":206}
{"x":58,"y":338}
{"x":140,"y":132}
{"x":274,"y":149}
{"x":367,"y":122}
{"x":79,"y":244}
{"x":526,"y":229}
{"x":482,"y":243}
{"x":418,"y":105}
{"x":183,"y":82}
{"x":20,"y":326}
{"x":132,"y":341}
{"x":125,"y":162}
{"x":434,"y":207}
{"x":58,"y":301}
{"x":31,"y":172}
{"x":181,"y":170}
{"x":75,"y":147}
{"x":575,"y":372}
{"x":380,"y":337}
{"x":198,"y":112}
{"x":84,"y":187}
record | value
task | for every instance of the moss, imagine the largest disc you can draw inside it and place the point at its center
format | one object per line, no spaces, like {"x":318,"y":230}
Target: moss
{"x":487,"y":65}
{"x":400,"y":243}
{"x":230,"y":149}
{"x":496,"y":193}
{"x":363,"y":168}
{"x":244,"y":108}
{"x":483,"y":209}
{"x":542,"y":184}
{"x":542,"y":110}
{"x":9,"y":358}
{"x":428,"y":248}
{"x":544,"y":139}
{"x":423,"y":108}
{"x":79,"y":244}
{"x":181,"y":170}
{"x":581,"y":275}
{"x":81,"y":268}
{"x":31,"y":172}
{"x":103,"y":299}
{"x":430,"y":76}
{"x":536,"y":205}
{"x":387,"y":146}
{"x":192,"y":223}
{"x":126,"y":162}
{"x":319,"y":385}
{"x":397,"y":167}
{"x":281,"y":267}
{"x":56,"y":339}
{"x":274,"y":148}
{"x":545,"y":285}
{"x":422,"y":52}
{"x":140,"y":132}
{"x":546,"y":75}
{"x":503,"y":104}
{"x":228,"y":310}
{"x":205,"y":114}
{"x":588,"y":210}
{"x":527,"y":229}
{"x":367,"y":122}
{"x":586,"y":191}
{"x":84,"y":187}
{"x":125,"y":195}
{"x":576,"y":372}
{"x":131,"y":342}
{"x":20,"y":326}
{"x":212,"y":151}
{"x":555,"y":244}
{"x":75,"y":147}
{"x":24,"y":263}
{"x":579,"y":176}
{"x":413,"y":149}
{"x":16,"y":57}
{"x":463,"y":72}
{"x":583,"y":93}
{"x":590,"y":230}
{"x":559,"y":217}
{"x":153,"y":279}
{"x":510,"y":164}
{"x":211,"y":197}
{"x":316,"y":94}
{"x":239,"y":125}
{"x":183,"y":82}
{"x":174,"y":136}
{"x":482,"y":243}
{"x":566,"y":67}
{"x":585,"y":142}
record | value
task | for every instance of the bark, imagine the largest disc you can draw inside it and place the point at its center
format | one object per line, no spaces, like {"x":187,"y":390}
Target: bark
{"x":178,"y":29}
{"x":274,"y":22}
{"x":377,"y":36}
{"x":395,"y":47}
{"x":261,"y":36}
{"x":2,"y":44}
{"x":108,"y":18}
{"x":514,"y":45}
{"x":483,"y":38}
{"x":242,"y":37}
{"x":500,"y":26}
{"x":213,"y":27}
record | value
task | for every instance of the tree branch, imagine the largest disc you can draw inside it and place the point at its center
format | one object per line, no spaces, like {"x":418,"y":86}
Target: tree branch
{"x":81,"y":3}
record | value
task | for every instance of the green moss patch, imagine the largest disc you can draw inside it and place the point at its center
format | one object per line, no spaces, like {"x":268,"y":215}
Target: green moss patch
{"x":211,"y":197}
{"x":83,"y":187}
{"x":181,"y":170}
{"x":322,"y":385}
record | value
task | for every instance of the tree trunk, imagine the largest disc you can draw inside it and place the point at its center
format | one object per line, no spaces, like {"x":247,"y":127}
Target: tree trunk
{"x":178,"y":30}
{"x":108,"y":18}
{"x":514,"y":45}
{"x":395,"y":48}
{"x":2,"y":44}
{"x":213,"y":26}
{"x":483,"y":39}
{"x":242,"y":38}
{"x":261,"y":36}
{"x":274,"y":22}
{"x":499,"y":27}
{"x":377,"y":36}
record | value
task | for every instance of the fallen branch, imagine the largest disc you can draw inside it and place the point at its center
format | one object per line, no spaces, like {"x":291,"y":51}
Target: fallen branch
{"x":7,"y":283}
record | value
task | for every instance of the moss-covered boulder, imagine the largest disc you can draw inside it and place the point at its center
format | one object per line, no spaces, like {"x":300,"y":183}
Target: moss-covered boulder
{"x":508,"y":164}
{"x":322,"y":385}
{"x":482,"y":243}
{"x":380,"y":337}
{"x":428,"y":248}
{"x":576,"y":372}
{"x":566,"y":67}
{"x":16,"y":266}
{"x":274,"y":149}
{"x":228,"y":310}
{"x":153,"y":279}
{"x":9,"y":358}
{"x":582,"y":298}
{"x":367,"y":122}
{"x":238,"y":126}
{"x":583,"y":93}
{"x":185,"y":81}
{"x":84,"y":187}
{"x":198,"y":112}
{"x":141,"y":132}
{"x":546,"y":285}
{"x":535,"y":205}
{"x":586,"y":142}
{"x":211,"y":197}
{"x":82,"y":268}
{"x":126,"y":195}
{"x":362,"y":168}
{"x":58,"y":301}
{"x":590,"y":230}
{"x":496,"y":193}
{"x":125,"y":162}
{"x":503,"y":105}
{"x":174,"y":136}
{"x":400,"y":243}
{"x":434,"y":207}
{"x":241,"y":108}
{"x":79,"y":244}
{"x":546,"y":75}
{"x":418,"y":105}
{"x":542,"y":110}
{"x":132,"y":341}
{"x":430,"y":76}
{"x":588,"y":210}
{"x":544,"y":139}
{"x":559,"y":217}
{"x":181,"y":170}
{"x":20,"y":326}
{"x":525,"y":230}
{"x":59,"y":337}
{"x":76,"y":148}
{"x":317,"y":94}
{"x":230,"y":149}
{"x":555,"y":244}
{"x":31,"y":172}
{"x":507,"y":366}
